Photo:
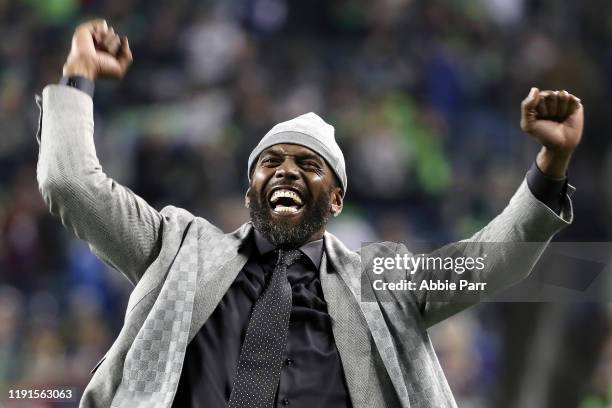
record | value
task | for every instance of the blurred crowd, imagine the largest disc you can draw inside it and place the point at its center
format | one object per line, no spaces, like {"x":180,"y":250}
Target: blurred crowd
{"x":425,"y":98}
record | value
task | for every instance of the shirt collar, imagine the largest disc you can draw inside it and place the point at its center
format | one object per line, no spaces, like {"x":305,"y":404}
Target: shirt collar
{"x":313,"y":249}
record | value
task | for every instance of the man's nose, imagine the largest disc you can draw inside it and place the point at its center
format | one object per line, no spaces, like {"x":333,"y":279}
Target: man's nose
{"x":288,"y":169}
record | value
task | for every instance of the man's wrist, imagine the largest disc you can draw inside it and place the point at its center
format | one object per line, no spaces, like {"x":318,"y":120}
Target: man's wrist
{"x":553,"y":164}
{"x":80,"y":68}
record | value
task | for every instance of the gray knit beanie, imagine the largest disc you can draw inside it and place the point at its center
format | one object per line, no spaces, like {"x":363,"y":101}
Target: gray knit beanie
{"x":310,"y":131}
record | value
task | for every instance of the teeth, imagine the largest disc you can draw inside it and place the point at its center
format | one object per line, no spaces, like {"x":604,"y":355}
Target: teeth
{"x":287,"y":194}
{"x":284,"y":209}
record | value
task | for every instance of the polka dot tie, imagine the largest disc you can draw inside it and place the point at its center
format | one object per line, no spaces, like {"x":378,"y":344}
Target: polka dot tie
{"x":260,"y":361}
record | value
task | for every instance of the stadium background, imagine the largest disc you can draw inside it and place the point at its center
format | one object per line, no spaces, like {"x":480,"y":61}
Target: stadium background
{"x":425,"y":99}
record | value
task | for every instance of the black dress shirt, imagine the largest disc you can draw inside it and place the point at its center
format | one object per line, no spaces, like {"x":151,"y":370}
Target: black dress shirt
{"x":312,"y":374}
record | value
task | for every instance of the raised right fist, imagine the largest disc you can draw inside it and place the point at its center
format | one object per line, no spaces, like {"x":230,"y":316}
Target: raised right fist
{"x":97,"y":51}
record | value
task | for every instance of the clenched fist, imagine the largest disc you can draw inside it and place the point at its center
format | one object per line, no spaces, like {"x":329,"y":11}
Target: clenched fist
{"x":97,"y":51}
{"x":556,"y":120}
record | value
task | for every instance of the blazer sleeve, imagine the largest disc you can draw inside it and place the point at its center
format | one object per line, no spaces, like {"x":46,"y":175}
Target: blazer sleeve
{"x":119,"y":226}
{"x":510,"y":245}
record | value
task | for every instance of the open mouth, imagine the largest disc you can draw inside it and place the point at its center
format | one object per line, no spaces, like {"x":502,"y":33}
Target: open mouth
{"x":284,"y":201}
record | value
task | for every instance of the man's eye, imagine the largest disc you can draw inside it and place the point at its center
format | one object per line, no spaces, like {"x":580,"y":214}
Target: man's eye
{"x":312,"y":165}
{"x":268,"y":161}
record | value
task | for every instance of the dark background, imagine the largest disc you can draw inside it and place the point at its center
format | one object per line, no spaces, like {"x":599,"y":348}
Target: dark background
{"x":425,"y":99}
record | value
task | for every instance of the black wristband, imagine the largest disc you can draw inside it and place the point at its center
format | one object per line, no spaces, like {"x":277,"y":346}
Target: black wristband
{"x":81,"y":83}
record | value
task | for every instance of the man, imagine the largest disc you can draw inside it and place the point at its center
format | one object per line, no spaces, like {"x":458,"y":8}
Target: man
{"x":270,"y":314}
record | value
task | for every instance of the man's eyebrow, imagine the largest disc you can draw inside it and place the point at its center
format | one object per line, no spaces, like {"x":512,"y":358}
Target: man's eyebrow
{"x":273,"y":151}
{"x":300,"y":156}
{"x":309,"y":156}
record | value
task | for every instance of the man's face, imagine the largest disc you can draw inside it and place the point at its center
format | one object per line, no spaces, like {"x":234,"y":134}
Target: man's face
{"x":292,"y":193}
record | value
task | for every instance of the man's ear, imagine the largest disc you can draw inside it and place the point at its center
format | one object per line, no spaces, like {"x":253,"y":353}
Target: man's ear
{"x":247,"y":200}
{"x":336,"y":202}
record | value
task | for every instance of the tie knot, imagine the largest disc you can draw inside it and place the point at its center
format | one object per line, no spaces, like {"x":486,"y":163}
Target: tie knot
{"x":288,"y":257}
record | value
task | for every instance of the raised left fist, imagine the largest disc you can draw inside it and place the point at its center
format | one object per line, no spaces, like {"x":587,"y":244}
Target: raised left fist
{"x":554,"y":118}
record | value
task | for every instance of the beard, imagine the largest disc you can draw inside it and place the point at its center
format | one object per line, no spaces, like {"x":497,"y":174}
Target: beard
{"x":287,"y":233}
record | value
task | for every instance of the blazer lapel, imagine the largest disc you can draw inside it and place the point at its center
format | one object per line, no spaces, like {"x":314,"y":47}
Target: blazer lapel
{"x":152,"y":365}
{"x":349,"y":314}
{"x":231,"y":255}
{"x":350,"y":335}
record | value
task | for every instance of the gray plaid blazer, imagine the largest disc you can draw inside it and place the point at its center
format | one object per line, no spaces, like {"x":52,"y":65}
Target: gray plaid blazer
{"x":182,"y":265}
